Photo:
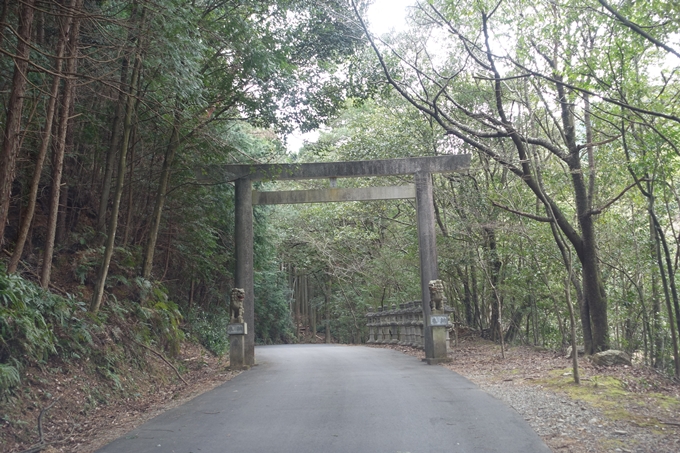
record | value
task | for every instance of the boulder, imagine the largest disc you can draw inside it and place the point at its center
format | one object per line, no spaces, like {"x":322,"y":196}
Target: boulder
{"x":610,"y":358}
{"x":581,"y":350}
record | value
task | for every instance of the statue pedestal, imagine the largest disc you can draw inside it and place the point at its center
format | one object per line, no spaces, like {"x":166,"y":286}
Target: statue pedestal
{"x":439,"y":324}
{"x":237,"y":336}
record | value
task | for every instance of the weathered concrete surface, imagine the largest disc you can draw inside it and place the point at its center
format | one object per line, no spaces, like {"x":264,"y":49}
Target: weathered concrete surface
{"x":440,"y":349}
{"x":237,"y":350}
{"x":243,"y":243}
{"x":334,"y":195}
{"x":427,"y":247}
{"x":326,"y":398}
{"x":406,"y":166}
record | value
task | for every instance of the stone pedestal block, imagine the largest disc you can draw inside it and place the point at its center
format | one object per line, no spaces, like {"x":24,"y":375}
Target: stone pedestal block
{"x":237,"y":346}
{"x":438,"y":322}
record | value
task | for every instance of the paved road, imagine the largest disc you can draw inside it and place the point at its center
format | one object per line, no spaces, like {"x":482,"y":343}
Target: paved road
{"x":326,"y":398}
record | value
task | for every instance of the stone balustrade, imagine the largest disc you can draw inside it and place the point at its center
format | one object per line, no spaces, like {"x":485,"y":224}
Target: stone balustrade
{"x":401,"y":325}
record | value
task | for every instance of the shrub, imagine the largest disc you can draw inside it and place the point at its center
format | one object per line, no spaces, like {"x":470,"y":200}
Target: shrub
{"x":34,"y":323}
{"x":210,"y":328}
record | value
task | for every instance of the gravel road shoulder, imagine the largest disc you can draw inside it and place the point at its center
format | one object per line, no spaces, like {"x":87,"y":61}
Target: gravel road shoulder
{"x":616,"y":409}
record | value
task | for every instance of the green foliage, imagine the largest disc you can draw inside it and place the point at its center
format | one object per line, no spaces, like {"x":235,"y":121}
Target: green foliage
{"x":210,"y":328}
{"x":162,"y":315}
{"x":9,"y":378}
{"x":34,"y":324}
{"x":273,"y":322}
{"x":24,"y":330}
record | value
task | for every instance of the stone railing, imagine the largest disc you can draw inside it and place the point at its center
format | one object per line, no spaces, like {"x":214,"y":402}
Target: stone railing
{"x":401,"y":325}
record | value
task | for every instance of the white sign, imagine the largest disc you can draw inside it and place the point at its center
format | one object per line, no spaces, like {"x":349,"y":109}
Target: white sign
{"x":237,"y":329}
{"x":439,"y":320}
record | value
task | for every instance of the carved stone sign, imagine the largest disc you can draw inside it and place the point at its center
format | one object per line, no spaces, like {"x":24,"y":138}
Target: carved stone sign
{"x":237,"y":329}
{"x":439,"y":320}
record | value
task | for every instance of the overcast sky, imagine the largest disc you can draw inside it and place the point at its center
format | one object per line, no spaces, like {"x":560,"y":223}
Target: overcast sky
{"x":386,"y":14}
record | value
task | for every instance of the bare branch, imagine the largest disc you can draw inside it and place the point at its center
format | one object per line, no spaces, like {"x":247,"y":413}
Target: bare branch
{"x":637,"y":29}
{"x":615,"y":199}
{"x":524,"y":214}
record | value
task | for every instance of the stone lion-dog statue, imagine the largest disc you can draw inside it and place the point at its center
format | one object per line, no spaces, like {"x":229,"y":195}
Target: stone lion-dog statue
{"x":437,"y":297}
{"x":236,"y":305}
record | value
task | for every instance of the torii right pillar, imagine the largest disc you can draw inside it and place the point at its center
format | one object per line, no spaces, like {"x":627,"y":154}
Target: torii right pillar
{"x":427,"y":245}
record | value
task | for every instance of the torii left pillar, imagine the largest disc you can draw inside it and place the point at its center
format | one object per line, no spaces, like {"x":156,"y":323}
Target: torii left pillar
{"x":244,"y":260}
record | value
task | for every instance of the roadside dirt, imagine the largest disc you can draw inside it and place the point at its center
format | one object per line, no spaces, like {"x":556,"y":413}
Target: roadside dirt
{"x":615,"y":409}
{"x":82,"y":412}
{"x":626,"y":409}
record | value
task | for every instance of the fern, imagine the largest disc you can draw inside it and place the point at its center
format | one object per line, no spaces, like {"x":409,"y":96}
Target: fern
{"x":9,"y":378}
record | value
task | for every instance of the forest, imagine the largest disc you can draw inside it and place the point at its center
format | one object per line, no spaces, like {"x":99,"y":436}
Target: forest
{"x":566,"y":223}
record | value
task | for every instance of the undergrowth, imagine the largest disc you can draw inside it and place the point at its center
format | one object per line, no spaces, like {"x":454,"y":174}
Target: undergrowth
{"x":209,"y":329}
{"x":36,"y":325}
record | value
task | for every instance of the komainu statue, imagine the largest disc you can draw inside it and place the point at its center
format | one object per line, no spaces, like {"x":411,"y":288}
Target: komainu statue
{"x":437,"y":298}
{"x":236,"y":306}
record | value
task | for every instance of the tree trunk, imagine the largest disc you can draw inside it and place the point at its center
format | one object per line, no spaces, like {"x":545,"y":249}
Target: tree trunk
{"x":68,"y":92}
{"x":467,"y":296}
{"x":572,"y":328}
{"x":29,"y":211}
{"x":516,"y":318}
{"x":327,"y":299}
{"x":130,"y":201}
{"x":656,"y":338}
{"x":114,"y":145}
{"x":676,"y":356}
{"x":113,"y":221}
{"x":10,"y":144}
{"x":3,"y":19}
{"x":192,"y":286}
{"x":496,"y":333}
{"x":60,"y":233}
{"x":160,"y":197}
{"x":595,"y":300}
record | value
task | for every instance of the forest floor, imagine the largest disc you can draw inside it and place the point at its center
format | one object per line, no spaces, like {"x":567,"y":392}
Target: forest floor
{"x":626,"y":409}
{"x":615,"y":409}
{"x":83,"y":411}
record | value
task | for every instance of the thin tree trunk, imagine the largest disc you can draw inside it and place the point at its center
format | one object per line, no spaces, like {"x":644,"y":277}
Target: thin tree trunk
{"x":160,"y":197}
{"x":113,"y":221}
{"x":40,"y":29}
{"x":60,"y":233}
{"x":191,"y":294}
{"x":3,"y":19}
{"x":68,"y":92}
{"x":167,"y":256}
{"x":656,"y":338}
{"x":128,"y":215}
{"x":29,"y":211}
{"x":10,"y":144}
{"x":496,"y":332}
{"x":572,"y":319}
{"x":114,"y":145}
{"x":467,"y":296}
{"x":327,"y":297}
{"x":671,"y":277}
{"x":676,"y":357}
{"x":313,"y":319}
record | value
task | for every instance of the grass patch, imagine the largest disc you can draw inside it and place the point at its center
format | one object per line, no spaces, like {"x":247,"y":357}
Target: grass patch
{"x":609,"y":394}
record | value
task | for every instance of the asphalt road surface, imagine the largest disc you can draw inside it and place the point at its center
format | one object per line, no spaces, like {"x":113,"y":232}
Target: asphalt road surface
{"x":328,"y":398}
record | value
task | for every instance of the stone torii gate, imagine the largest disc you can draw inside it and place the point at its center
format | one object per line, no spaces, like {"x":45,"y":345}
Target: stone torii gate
{"x":420,"y":167}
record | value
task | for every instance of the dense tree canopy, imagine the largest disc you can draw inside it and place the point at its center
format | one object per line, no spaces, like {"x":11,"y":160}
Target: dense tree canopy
{"x":110,"y":106}
{"x":568,"y":107}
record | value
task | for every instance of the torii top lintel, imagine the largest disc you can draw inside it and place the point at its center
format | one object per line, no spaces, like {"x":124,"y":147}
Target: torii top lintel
{"x":353,"y":169}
